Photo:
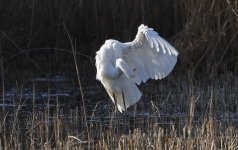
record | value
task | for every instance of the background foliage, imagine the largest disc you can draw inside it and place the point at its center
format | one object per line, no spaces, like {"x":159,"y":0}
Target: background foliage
{"x":32,"y":32}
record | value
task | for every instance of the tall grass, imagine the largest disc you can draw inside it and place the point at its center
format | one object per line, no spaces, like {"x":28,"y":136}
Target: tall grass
{"x":188,"y":116}
{"x":209,"y":38}
{"x":194,"y":108}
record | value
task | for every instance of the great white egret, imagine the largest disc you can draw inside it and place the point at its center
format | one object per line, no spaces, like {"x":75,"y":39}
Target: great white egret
{"x":120,"y":66}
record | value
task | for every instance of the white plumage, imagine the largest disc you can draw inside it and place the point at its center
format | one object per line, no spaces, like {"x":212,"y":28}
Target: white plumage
{"x":120,"y":66}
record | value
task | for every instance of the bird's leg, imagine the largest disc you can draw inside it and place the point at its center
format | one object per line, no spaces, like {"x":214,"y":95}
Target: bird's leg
{"x":116,"y":115}
{"x":115,"y":102}
{"x":123,"y":97}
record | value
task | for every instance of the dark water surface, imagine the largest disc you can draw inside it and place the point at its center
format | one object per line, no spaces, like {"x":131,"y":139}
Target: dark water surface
{"x":59,"y":92}
{"x":49,"y":99}
{"x":47,"y":93}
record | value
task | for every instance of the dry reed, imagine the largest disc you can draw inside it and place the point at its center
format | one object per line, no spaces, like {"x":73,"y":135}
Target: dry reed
{"x":194,"y":108}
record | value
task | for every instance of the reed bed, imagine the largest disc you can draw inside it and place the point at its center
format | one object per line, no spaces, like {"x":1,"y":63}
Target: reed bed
{"x":190,"y":116}
{"x":194,"y":108}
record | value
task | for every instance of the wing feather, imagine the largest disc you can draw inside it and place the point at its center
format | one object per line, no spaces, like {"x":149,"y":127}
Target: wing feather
{"x":151,"y":55}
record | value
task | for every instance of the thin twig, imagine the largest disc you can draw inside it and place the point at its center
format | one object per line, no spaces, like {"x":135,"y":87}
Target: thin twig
{"x":80,"y":141}
{"x":21,"y":50}
{"x":48,"y":49}
{"x":79,"y":81}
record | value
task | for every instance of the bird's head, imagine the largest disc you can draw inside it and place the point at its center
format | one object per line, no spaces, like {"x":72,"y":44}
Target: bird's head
{"x":142,"y":26}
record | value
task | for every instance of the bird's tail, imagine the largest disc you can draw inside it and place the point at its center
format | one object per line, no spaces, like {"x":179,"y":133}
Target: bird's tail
{"x":126,"y":97}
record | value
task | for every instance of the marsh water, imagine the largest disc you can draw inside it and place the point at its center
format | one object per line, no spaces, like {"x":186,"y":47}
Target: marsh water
{"x":57,"y":97}
{"x":58,"y":93}
{"x":43,"y":93}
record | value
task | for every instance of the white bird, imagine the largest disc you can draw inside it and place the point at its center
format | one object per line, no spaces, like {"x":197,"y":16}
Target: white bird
{"x":123,"y":66}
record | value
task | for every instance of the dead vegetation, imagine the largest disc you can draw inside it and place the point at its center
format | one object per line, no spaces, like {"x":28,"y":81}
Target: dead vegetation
{"x":194,"y":108}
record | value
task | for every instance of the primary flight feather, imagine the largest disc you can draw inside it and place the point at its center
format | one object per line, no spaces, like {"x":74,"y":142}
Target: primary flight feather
{"x":123,"y":66}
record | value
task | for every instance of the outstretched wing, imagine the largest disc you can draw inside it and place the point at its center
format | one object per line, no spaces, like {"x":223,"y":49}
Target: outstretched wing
{"x":149,"y":55}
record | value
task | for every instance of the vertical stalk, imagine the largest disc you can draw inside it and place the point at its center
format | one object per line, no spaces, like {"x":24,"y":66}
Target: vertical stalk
{"x":31,"y":24}
{"x":33,"y":116}
{"x":3,"y":99}
{"x":80,"y":84}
